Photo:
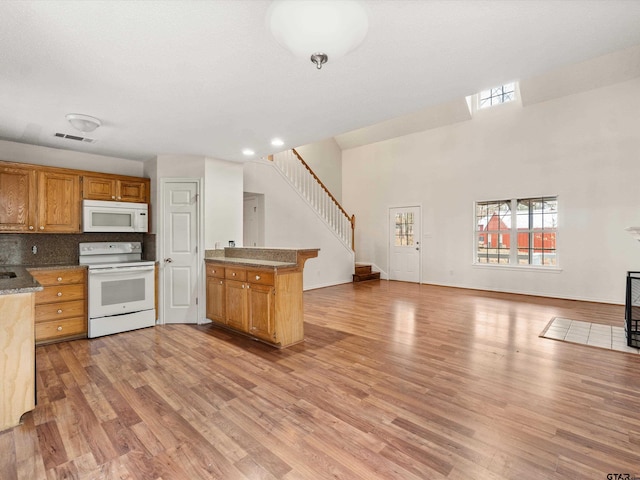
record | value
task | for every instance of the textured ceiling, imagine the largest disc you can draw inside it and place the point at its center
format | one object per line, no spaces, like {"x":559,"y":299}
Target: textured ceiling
{"x":207,"y":78}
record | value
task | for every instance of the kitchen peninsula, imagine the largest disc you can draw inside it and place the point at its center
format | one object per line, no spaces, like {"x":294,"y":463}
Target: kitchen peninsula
{"x":17,"y":362}
{"x":258,"y":292}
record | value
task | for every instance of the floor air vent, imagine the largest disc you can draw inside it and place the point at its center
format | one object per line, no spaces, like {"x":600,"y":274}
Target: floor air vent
{"x":75,"y":137}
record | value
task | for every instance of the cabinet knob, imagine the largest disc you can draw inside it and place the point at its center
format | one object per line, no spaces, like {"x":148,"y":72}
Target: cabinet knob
{"x":59,"y":329}
{"x":41,"y":227}
{"x":257,"y":277}
{"x":233,"y":274}
{"x":30,"y":227}
{"x":243,"y":285}
{"x":59,"y":279}
{"x":59,"y":294}
{"x":119,"y":198}
{"x":113,"y":197}
{"x":59,"y":311}
{"x":220,"y":282}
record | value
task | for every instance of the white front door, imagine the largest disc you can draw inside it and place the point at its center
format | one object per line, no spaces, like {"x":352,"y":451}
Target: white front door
{"x":404,"y":241}
{"x":180,"y":257}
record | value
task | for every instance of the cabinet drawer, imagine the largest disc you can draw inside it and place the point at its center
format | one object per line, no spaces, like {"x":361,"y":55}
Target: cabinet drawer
{"x":260,"y":277}
{"x":239,"y":274}
{"x":58,"y":277}
{"x":60,"y":329}
{"x":60,"y":293}
{"x":215,"y":271}
{"x":59,"y":310}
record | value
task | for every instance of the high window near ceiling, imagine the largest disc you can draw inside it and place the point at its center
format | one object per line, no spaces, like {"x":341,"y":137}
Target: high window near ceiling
{"x":507,"y":93}
{"x":518,"y":231}
{"x":497,"y":95}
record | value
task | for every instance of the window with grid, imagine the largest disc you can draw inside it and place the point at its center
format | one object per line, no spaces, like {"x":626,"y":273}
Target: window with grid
{"x":404,"y":229}
{"x":519,"y":231}
{"x":496,"y":96}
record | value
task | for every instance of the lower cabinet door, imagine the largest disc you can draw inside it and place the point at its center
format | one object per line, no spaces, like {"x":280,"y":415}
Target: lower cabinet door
{"x":236,"y":302}
{"x":262,"y":312}
{"x":215,"y":299}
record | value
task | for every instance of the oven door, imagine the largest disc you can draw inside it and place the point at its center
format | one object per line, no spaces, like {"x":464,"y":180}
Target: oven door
{"x":119,"y":290}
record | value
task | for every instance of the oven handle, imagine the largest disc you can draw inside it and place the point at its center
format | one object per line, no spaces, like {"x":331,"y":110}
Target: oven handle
{"x":113,"y":270}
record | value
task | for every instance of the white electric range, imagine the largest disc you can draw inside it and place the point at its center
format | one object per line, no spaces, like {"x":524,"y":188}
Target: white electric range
{"x":121,"y":287}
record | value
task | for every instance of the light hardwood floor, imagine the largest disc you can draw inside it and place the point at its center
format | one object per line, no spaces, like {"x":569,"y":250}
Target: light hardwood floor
{"x":393,"y":381}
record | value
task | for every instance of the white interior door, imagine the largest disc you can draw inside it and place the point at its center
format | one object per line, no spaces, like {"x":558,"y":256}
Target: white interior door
{"x":404,"y":241}
{"x":180,"y":252}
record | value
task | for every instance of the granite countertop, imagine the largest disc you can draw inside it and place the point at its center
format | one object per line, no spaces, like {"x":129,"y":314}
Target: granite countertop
{"x":251,"y":262}
{"x":23,"y":282}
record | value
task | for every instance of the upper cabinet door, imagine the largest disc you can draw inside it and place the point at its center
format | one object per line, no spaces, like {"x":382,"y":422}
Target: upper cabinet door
{"x":98,"y":188}
{"x":115,"y":189}
{"x":17,"y":199}
{"x":58,"y":202}
{"x":133,"y":191}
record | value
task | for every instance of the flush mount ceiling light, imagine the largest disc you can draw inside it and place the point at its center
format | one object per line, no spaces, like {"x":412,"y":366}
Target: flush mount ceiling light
{"x":322,"y":29}
{"x":84,"y":123}
{"x":248,"y":152}
{"x":277,"y":142}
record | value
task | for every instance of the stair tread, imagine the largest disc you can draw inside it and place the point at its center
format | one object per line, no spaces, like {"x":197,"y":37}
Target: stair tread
{"x":366,"y":277}
{"x":362,"y":269}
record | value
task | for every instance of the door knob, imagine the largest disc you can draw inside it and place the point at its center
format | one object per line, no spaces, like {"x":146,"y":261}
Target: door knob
{"x":168,"y":260}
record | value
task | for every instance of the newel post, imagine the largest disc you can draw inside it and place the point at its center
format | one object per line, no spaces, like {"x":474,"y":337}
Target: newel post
{"x":353,"y":232}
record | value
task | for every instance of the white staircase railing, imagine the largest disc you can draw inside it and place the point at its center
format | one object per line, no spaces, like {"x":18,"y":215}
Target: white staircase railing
{"x":316,"y":194}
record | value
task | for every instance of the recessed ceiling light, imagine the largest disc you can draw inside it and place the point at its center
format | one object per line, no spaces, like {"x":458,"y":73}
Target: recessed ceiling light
{"x":248,"y":152}
{"x":276,"y":142}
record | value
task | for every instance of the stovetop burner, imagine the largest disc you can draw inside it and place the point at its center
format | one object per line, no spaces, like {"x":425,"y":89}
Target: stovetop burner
{"x":112,"y":254}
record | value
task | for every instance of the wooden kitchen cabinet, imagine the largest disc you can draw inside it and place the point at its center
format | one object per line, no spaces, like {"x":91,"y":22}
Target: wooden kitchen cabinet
{"x":236,"y":305}
{"x":216,"y":294}
{"x":17,"y":198}
{"x":265,"y":304}
{"x":261,"y":311}
{"x":58,"y":202}
{"x":38,"y":199}
{"x":61,"y":307}
{"x":115,"y":188}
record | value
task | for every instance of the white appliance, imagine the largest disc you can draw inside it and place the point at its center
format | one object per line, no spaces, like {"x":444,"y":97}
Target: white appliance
{"x":101,"y":216}
{"x":121,"y":287}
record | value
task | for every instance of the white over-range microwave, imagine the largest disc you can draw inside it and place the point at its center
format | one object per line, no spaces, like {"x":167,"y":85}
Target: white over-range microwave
{"x":101,"y":216}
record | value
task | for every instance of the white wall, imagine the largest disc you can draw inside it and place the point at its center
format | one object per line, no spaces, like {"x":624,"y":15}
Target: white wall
{"x":223,"y":202}
{"x":291,"y":223}
{"x":53,"y":157}
{"x":584,"y":148}
{"x":325,"y":159}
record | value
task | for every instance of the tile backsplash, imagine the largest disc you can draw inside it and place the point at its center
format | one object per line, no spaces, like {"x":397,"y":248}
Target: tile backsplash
{"x":54,"y":249}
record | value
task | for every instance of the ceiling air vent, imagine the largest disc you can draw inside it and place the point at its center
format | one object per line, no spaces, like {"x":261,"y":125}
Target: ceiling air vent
{"x":75,"y":137}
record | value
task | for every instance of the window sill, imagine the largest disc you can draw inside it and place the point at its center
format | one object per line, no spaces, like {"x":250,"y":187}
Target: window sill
{"x":521,"y":268}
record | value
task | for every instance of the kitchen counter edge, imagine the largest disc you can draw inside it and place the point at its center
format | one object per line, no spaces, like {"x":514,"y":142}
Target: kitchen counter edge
{"x":250,"y":262}
{"x":24,"y":282}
